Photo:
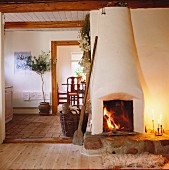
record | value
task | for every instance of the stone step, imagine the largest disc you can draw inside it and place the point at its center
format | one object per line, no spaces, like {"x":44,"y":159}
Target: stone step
{"x":126,"y":144}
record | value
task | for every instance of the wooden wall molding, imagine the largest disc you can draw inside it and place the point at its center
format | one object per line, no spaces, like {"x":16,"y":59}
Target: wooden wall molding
{"x":54,"y":24}
{"x":54,"y":45}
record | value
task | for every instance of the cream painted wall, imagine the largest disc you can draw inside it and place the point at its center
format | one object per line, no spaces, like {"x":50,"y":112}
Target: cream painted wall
{"x":34,"y":41}
{"x":151,"y":31}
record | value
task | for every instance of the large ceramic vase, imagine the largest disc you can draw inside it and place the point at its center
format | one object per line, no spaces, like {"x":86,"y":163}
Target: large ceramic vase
{"x":44,"y":108}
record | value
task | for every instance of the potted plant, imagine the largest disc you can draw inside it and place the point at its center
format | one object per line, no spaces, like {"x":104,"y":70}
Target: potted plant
{"x":40,"y":65}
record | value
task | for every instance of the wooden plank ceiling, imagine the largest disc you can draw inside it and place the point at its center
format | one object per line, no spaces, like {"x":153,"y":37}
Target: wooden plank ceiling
{"x":61,"y":13}
{"x":40,"y":20}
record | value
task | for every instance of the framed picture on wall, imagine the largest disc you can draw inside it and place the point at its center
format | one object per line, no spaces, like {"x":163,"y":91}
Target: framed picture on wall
{"x":19,"y":64}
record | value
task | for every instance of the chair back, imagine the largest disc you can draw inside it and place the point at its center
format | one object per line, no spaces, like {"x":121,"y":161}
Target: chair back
{"x":73,"y":84}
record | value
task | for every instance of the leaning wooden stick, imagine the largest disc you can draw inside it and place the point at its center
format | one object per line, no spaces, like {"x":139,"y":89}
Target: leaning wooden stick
{"x":78,"y":134}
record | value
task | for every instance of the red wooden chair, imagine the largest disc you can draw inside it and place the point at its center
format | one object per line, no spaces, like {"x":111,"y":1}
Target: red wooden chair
{"x":73,"y":88}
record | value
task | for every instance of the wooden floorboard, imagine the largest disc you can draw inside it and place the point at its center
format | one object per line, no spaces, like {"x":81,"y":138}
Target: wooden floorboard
{"x":54,"y":154}
{"x":46,"y":156}
{"x":9,"y":156}
{"x":31,"y":160}
{"x":41,"y":157}
{"x":73,"y":158}
{"x":83,"y":162}
{"x":61,"y":160}
{"x":22,"y":157}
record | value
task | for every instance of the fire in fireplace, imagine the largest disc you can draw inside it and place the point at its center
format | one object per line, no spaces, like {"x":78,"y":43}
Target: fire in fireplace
{"x":118,"y":115}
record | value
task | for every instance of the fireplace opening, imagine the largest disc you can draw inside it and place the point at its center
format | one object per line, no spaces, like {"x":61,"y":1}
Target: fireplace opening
{"x":118,"y":115}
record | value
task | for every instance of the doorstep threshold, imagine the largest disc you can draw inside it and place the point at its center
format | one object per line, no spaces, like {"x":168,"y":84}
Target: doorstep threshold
{"x":39,"y":140}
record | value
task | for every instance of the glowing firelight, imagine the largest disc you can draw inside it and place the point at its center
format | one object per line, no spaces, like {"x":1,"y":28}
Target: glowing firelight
{"x":109,"y":124}
{"x":110,"y":121}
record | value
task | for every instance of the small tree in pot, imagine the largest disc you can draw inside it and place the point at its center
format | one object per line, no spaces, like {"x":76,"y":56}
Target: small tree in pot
{"x":40,"y":65}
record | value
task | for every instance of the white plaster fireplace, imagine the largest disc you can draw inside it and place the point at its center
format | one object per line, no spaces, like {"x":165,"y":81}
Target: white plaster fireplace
{"x":115,"y":75}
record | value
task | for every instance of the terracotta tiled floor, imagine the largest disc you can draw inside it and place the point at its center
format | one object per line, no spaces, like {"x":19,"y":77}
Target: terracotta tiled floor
{"x":33,"y":127}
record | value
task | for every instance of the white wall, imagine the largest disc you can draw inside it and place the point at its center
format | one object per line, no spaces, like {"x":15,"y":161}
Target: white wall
{"x":34,"y":41}
{"x":151,"y":31}
{"x":64,"y":64}
{"x":115,"y":75}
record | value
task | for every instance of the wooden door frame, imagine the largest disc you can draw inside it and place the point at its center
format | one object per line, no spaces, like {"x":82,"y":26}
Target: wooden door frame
{"x":54,"y":45}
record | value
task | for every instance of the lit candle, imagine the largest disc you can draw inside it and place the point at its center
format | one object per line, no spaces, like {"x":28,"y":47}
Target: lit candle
{"x":153,"y":119}
{"x":152,"y":114}
{"x":161,"y":119}
{"x":158,"y":123}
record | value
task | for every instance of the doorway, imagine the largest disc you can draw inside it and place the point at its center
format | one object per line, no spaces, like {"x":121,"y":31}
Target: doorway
{"x":54,"y":57}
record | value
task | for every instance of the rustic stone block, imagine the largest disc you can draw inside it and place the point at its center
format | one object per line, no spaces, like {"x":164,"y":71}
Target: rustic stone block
{"x":132,"y":151}
{"x":149,"y":146}
{"x":164,"y":142}
{"x":92,"y":143}
{"x":118,"y":143}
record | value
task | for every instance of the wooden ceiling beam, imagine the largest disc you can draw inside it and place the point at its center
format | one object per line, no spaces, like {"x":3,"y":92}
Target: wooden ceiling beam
{"x":79,"y":5}
{"x":147,"y":3}
{"x":51,"y":24}
{"x":56,"y":6}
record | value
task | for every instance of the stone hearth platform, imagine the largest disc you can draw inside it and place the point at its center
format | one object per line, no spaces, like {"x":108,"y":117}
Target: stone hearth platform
{"x":129,"y":143}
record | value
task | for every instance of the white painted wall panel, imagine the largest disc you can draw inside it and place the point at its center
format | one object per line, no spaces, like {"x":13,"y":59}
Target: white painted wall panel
{"x":33,"y":41}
